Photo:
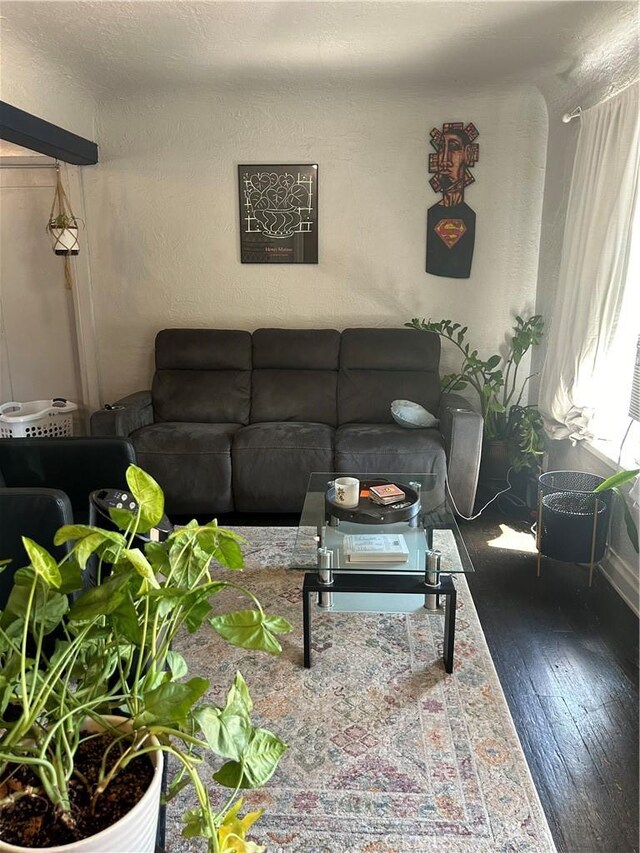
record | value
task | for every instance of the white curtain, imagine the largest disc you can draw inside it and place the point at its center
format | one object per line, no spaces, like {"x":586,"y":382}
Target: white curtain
{"x":593,"y":268}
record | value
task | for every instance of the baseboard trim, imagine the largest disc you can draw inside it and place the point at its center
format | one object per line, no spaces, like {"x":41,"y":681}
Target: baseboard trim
{"x":622,"y":578}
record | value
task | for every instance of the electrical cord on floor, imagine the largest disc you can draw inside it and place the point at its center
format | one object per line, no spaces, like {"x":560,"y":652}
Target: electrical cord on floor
{"x":478,"y":514}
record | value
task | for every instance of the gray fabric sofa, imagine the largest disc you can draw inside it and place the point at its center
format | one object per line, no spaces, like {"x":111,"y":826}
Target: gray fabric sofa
{"x":236,"y":422}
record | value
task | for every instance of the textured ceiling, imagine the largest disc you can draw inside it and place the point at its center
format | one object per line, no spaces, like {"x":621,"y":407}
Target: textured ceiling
{"x":121,"y":47}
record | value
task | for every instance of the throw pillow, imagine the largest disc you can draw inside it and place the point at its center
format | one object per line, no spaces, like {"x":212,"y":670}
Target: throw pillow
{"x":412,"y":415}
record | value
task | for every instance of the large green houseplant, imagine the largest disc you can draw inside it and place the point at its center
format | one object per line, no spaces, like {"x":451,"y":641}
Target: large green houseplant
{"x":113,"y":655}
{"x":499,"y":387}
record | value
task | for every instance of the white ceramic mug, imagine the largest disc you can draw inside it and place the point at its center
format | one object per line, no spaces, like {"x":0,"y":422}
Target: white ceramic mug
{"x":347,"y":492}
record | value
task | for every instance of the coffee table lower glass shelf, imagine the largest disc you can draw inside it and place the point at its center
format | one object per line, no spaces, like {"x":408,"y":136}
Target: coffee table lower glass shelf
{"x":435,"y":551}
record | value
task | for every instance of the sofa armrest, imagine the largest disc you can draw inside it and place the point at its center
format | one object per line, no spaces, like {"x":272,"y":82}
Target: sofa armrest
{"x":124,"y":416}
{"x":461,"y":428}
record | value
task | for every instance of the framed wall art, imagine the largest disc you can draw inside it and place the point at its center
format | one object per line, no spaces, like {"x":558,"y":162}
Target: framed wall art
{"x":278,"y":214}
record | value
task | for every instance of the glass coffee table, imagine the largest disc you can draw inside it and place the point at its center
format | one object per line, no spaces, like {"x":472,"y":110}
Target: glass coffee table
{"x":421,"y":525}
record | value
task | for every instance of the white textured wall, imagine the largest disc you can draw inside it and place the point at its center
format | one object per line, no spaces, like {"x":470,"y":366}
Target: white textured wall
{"x":162,"y":215}
{"x":32,"y":82}
{"x":38,"y":346}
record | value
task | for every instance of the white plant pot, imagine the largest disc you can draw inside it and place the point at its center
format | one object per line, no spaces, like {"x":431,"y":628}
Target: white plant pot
{"x":65,"y":241}
{"x":135,"y":831}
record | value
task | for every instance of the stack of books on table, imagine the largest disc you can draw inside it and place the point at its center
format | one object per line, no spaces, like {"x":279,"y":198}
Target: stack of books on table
{"x":388,"y":493}
{"x":376,"y":547}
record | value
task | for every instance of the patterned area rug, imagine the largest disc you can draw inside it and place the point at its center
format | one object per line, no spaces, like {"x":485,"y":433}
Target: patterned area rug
{"x":387,"y":753}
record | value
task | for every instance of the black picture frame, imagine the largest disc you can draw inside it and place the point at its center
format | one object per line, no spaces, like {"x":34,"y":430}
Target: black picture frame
{"x":278,"y":213}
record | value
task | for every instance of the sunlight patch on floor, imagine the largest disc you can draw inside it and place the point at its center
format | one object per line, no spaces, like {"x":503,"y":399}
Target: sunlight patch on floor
{"x":511,"y":540}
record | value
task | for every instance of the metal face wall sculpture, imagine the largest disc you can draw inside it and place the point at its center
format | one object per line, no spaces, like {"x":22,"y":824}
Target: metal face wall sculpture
{"x":451,"y":224}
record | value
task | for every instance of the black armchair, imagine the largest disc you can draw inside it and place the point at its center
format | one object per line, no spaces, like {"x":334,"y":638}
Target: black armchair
{"x":75,"y":466}
{"x":45,"y":483}
{"x":36,"y":513}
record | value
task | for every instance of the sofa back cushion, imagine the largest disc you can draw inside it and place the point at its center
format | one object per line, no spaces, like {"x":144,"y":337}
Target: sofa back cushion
{"x":378,"y":366}
{"x":295,"y":375}
{"x":202,"y":376}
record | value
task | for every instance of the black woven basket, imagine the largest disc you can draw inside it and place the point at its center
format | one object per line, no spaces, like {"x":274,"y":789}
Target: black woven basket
{"x":573,"y":521}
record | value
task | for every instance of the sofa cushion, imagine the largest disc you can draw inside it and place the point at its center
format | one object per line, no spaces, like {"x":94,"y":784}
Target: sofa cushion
{"x":203,"y":349}
{"x":272,"y":463}
{"x":202,"y":376}
{"x":389,"y":448}
{"x":296,"y":349}
{"x":192,"y":463}
{"x":378,"y":366}
{"x":308,"y":396}
{"x":295,"y":375}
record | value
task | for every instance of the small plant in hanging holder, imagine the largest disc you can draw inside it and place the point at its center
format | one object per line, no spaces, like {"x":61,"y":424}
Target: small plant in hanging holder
{"x":63,"y":229}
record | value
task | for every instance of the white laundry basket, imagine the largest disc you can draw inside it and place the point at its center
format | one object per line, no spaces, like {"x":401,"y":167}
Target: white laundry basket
{"x":36,"y":419}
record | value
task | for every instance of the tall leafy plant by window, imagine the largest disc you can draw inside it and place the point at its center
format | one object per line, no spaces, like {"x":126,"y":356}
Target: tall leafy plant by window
{"x":499,"y":385}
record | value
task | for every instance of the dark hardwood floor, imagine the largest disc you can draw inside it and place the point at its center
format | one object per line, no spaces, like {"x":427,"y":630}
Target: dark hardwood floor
{"x":567,"y":659}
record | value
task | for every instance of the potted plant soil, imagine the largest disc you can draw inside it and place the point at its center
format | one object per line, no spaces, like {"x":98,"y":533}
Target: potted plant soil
{"x":92,"y":696}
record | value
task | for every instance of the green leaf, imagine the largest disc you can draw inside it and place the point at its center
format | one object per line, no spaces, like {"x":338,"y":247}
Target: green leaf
{"x":195,"y":825}
{"x":70,"y":577}
{"x":226,"y":731}
{"x":629,"y":521}
{"x":156,"y":553}
{"x":47,"y":609}
{"x":125,"y":621}
{"x":125,"y":519}
{"x":90,"y":539}
{"x":188,"y":560}
{"x":142,"y":567}
{"x":277,"y":624}
{"x":101,"y":599}
{"x":196,"y":614}
{"x":630,"y":524}
{"x":492,"y":362}
{"x":205,"y":543}
{"x":177,"y":665}
{"x":171,"y":702}
{"x":48,"y":615}
{"x":617,"y":480}
{"x":247,"y":629}
{"x":43,"y":563}
{"x":70,"y":532}
{"x":85,"y":548}
{"x":239,"y":696}
{"x":228,"y":553}
{"x":77,"y":532}
{"x":149,"y":496}
{"x":260,"y":760}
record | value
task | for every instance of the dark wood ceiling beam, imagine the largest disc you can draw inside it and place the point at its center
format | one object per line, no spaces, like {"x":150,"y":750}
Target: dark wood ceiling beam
{"x":34,"y":133}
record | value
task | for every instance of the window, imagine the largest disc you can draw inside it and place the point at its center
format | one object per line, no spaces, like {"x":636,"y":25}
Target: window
{"x":616,"y":435}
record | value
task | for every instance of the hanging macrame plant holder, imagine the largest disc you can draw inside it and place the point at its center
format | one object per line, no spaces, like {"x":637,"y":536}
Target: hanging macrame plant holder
{"x":63,"y":229}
